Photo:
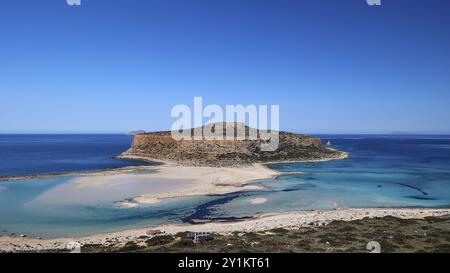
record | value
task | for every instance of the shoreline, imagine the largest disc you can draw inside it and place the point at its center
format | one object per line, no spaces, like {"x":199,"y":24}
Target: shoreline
{"x":80,"y":174}
{"x":341,"y":156}
{"x":264,"y":222}
{"x":157,"y":163}
{"x":213,"y":180}
{"x":198,"y":181}
{"x":201,"y":181}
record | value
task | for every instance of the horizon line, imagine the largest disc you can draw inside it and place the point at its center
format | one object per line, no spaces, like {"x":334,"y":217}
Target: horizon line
{"x":293,"y":131}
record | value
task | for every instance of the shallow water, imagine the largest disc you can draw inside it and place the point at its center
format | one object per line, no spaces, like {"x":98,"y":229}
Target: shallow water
{"x":53,"y":207}
{"x":383,"y":171}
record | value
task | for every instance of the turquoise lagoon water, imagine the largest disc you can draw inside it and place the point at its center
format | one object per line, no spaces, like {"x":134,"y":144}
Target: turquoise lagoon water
{"x":51,"y":207}
{"x":383,"y":171}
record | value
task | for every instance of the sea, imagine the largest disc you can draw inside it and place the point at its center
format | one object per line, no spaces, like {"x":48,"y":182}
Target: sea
{"x":382,"y":171}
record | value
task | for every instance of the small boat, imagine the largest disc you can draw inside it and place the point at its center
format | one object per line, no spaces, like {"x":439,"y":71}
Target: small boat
{"x":329,"y":143}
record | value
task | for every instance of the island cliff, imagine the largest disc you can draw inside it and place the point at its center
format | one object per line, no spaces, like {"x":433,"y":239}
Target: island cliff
{"x":292,"y":147}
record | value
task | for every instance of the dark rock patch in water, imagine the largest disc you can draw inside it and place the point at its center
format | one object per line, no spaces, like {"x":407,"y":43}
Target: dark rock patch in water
{"x":203,"y":212}
{"x":420,"y":197}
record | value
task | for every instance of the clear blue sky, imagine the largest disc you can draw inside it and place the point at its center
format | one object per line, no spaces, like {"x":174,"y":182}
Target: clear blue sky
{"x":119,"y":65}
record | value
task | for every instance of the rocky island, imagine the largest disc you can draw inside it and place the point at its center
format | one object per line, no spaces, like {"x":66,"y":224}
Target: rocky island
{"x":160,"y":146}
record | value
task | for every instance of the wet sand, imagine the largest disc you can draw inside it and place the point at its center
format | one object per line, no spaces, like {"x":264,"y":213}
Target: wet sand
{"x":195,"y":181}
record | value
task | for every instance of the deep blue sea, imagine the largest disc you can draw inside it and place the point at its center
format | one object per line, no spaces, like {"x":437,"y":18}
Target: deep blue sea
{"x":38,"y":154}
{"x":382,"y":171}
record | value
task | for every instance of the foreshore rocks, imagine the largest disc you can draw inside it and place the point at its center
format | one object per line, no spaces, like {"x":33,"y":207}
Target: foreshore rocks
{"x":292,"y":147}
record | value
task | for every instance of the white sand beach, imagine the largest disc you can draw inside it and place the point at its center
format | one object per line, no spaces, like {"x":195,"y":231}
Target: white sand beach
{"x":290,"y":220}
{"x":196,"y":181}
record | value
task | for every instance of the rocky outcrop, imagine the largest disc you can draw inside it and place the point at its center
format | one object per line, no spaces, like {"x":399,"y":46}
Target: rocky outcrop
{"x":133,"y":133}
{"x":292,"y":147}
